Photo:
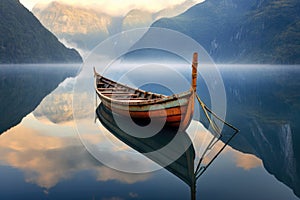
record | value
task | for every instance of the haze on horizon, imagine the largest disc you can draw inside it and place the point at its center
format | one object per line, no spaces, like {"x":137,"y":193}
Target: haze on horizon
{"x":117,"y":7}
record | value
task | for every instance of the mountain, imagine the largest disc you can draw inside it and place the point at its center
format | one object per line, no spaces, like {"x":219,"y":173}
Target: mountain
{"x":137,"y":19}
{"x":175,"y":10}
{"x":70,"y":19}
{"x":24,"y":40}
{"x":238,"y":31}
{"x":84,"y":27}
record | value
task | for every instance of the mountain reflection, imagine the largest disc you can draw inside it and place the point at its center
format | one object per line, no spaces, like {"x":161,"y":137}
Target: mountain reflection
{"x":264,"y":102}
{"x":22,"y":88}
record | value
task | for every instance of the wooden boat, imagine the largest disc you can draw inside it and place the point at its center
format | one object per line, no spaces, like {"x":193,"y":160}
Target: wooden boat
{"x":176,"y":111}
{"x":182,"y":167}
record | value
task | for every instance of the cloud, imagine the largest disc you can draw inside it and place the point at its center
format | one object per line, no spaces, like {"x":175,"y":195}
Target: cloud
{"x":116,"y":7}
{"x":29,"y":3}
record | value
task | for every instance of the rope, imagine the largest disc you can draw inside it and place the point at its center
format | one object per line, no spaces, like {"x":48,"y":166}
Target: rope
{"x":198,"y":173}
{"x":215,"y":128}
{"x":217,"y":136}
{"x":205,"y":108}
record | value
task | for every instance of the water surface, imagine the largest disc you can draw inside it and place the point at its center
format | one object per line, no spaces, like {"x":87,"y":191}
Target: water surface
{"x":43,"y":157}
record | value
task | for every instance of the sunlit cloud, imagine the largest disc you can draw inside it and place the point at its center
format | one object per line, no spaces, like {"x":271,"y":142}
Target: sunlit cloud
{"x":29,"y":3}
{"x":116,"y":7}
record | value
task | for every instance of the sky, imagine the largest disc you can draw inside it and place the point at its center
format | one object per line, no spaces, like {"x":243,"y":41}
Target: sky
{"x":116,"y":6}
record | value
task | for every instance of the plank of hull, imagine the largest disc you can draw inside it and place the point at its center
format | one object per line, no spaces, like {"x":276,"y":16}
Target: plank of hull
{"x":160,"y":113}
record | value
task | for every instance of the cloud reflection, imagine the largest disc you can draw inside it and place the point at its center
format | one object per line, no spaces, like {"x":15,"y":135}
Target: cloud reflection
{"x":247,"y":161}
{"x":202,"y":138}
{"x":113,"y":198}
{"x":48,"y":159}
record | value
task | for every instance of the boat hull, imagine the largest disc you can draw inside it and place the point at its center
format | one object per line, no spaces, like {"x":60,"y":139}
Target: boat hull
{"x":173,"y":111}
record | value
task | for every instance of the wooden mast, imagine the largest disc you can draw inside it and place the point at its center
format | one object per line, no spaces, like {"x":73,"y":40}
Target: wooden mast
{"x":194,"y":88}
{"x":194,"y":71}
{"x":190,"y":109}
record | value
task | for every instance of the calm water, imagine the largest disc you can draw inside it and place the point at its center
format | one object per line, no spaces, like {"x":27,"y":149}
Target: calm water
{"x":47,"y":154}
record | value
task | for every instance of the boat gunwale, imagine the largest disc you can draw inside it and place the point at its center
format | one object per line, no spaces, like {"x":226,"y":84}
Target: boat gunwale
{"x":161,"y":100}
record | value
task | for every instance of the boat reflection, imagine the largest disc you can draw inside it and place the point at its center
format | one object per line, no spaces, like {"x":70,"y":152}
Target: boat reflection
{"x":182,"y":167}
